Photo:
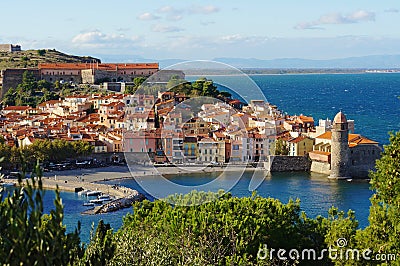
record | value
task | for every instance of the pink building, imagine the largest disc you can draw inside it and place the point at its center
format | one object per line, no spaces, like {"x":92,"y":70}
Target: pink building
{"x":139,"y":141}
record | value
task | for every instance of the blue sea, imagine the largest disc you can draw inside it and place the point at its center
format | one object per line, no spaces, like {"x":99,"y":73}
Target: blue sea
{"x":369,"y":99}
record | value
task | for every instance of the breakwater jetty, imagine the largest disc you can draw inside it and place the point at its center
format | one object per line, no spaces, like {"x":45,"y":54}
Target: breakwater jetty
{"x":121,"y":203}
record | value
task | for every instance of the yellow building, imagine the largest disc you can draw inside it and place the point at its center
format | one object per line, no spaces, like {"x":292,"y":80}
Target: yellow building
{"x":300,"y":146}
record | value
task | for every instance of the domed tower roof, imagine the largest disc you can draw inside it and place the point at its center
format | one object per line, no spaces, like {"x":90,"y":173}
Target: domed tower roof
{"x":340,"y":118}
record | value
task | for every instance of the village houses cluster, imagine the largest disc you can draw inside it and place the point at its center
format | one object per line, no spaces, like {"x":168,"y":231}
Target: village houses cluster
{"x":158,"y":125}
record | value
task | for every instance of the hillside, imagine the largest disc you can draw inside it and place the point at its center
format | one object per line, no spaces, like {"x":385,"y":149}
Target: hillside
{"x":31,"y":58}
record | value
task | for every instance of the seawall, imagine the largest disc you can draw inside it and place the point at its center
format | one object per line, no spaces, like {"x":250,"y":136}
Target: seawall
{"x":288,"y":163}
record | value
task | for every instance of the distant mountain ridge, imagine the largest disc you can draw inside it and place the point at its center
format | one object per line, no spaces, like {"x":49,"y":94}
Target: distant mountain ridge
{"x":361,"y":62}
{"x":372,"y":61}
{"x":30,"y":58}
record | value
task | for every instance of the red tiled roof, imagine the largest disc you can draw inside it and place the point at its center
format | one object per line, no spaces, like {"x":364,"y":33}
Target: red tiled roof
{"x":16,"y":108}
{"x":354,"y":139}
{"x":100,"y":66}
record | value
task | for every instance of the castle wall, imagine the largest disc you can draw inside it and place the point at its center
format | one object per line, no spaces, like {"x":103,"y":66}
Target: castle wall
{"x":362,"y":160}
{"x":13,"y":77}
{"x":9,"y":48}
{"x":66,"y":78}
{"x":96,"y":75}
{"x":87,"y":76}
{"x":288,"y":163}
{"x":321,"y":167}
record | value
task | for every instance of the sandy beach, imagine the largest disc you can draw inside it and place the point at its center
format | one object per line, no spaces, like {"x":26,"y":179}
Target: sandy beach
{"x":89,"y":178}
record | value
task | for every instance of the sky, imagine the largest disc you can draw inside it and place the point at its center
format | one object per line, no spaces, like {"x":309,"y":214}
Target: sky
{"x":205,"y":30}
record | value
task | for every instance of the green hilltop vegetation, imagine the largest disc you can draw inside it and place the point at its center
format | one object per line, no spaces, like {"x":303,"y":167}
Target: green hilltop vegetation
{"x":31,"y":58}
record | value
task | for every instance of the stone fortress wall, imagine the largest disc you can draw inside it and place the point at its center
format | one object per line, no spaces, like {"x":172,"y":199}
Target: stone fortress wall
{"x":10,"y":48}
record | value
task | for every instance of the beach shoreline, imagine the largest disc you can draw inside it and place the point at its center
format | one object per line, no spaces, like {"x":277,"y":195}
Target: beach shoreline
{"x":92,"y":178}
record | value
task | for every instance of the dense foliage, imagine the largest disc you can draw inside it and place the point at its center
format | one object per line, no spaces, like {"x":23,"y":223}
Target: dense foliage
{"x":28,"y":236}
{"x":229,"y":231}
{"x":44,"y":150}
{"x":29,"y":92}
{"x":199,"y":87}
{"x":383,"y":233}
{"x":280,"y":148}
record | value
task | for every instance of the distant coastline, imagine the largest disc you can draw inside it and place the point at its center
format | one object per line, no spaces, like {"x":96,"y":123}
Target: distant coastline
{"x":294,"y":71}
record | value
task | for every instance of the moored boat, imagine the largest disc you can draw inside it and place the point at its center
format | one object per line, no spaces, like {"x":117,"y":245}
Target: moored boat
{"x":94,"y":193}
{"x":104,"y":197}
{"x":96,"y":201}
{"x":84,"y":192}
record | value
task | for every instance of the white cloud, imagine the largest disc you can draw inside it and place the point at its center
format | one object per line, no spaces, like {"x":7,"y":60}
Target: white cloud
{"x":206,"y":23}
{"x":165,"y":28}
{"x":171,"y":13}
{"x":175,"y":14}
{"x":168,"y":9}
{"x":392,"y":10}
{"x":337,"y":18}
{"x":147,"y":16}
{"x":97,"y":39}
{"x":209,"y":9}
{"x":238,"y":38}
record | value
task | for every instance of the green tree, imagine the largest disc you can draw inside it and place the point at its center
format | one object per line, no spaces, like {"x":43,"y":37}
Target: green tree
{"x":41,"y":52}
{"x":5,"y":153}
{"x":82,"y":148}
{"x":281,"y":148}
{"x":31,"y":237}
{"x":205,"y":87}
{"x":138,"y":81}
{"x":214,"y":229}
{"x":130,"y":89}
{"x":101,"y":248}
{"x":9,"y":97}
{"x":382,"y":235}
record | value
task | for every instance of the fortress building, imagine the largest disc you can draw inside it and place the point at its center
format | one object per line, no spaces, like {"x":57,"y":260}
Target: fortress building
{"x":95,"y":72}
{"x":10,"y":48}
{"x":343,"y":155}
{"x":78,"y":73}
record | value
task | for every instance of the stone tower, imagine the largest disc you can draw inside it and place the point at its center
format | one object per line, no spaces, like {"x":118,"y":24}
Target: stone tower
{"x":340,"y":147}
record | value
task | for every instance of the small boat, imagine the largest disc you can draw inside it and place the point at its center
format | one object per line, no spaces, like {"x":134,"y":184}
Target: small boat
{"x":96,"y":201}
{"x":94,"y":193}
{"x":84,"y":192}
{"x":104,"y":197}
{"x":89,"y":204}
